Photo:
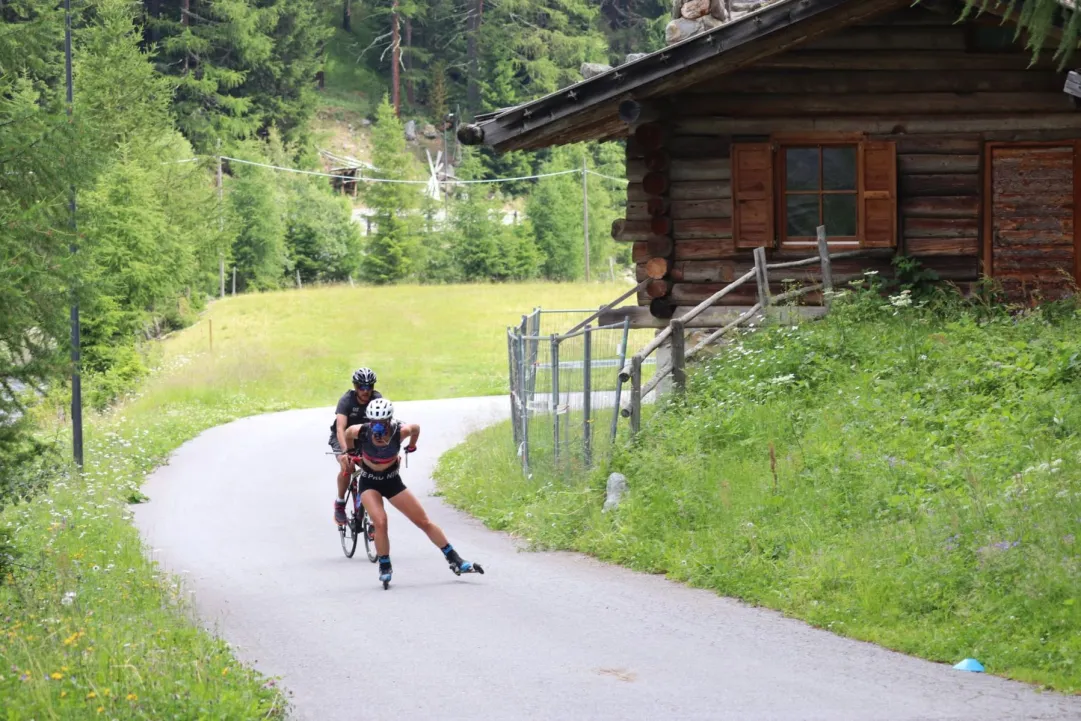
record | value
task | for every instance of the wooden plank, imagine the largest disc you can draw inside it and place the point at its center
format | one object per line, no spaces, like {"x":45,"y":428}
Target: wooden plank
{"x":936,"y":144}
{"x":703,"y":228}
{"x":892,"y":60}
{"x":801,"y":82}
{"x":629,"y":231}
{"x":903,"y":38}
{"x":704,"y":208}
{"x":921,"y":247}
{"x":918,"y":186}
{"x":782,"y":105}
{"x":941,"y":227}
{"x":693,"y":148}
{"x":712,"y":271}
{"x":700,"y":190}
{"x":949,"y":206}
{"x":707,"y":249}
{"x":684,"y":169}
{"x":893,"y":125}
{"x":938,"y":164}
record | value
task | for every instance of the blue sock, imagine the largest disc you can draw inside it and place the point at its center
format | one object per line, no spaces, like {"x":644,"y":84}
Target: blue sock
{"x":447,"y":549}
{"x":384,"y":559}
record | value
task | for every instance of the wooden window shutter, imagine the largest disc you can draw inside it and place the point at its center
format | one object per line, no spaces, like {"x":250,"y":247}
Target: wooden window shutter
{"x":752,"y":195}
{"x":878,"y":194}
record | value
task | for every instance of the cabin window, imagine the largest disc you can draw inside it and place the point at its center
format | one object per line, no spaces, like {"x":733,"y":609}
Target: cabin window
{"x":820,"y":188}
{"x":782,"y":192}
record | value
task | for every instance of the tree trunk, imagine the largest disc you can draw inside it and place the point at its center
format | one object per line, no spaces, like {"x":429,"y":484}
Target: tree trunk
{"x":347,"y":15}
{"x":395,"y":58}
{"x":409,"y":96}
{"x":185,"y":9}
{"x":473,"y":86}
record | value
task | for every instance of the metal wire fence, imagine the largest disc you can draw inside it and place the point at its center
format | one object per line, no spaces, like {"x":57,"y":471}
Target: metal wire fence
{"x":564,"y":386}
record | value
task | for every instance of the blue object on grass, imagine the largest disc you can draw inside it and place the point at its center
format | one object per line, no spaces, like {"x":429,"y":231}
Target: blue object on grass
{"x":970,"y":664}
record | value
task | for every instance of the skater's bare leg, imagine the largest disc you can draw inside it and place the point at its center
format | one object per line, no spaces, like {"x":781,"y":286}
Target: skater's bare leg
{"x":410,"y":507}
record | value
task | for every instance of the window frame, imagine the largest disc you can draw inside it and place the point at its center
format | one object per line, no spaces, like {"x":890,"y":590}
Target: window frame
{"x":786,"y":242}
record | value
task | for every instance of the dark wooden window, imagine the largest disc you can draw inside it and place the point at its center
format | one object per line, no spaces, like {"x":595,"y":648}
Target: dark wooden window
{"x":850,"y":187}
{"x":821,"y":187}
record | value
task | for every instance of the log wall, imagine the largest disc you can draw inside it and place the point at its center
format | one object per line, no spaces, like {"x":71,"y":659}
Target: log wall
{"x":912,"y":77}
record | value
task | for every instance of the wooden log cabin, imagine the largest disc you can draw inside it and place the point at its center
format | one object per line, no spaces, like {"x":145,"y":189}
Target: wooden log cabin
{"x":902,"y":129}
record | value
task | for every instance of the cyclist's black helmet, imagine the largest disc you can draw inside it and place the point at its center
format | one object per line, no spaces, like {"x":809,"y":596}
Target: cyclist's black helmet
{"x":364,"y":377}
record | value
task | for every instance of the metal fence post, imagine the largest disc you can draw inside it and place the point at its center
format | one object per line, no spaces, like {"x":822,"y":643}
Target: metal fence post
{"x":525,"y":400}
{"x":636,"y":395}
{"x":619,"y":382}
{"x":827,"y":268}
{"x":555,"y":397}
{"x":679,"y":358}
{"x":512,"y":387}
{"x":761,"y":276}
{"x":587,"y":399}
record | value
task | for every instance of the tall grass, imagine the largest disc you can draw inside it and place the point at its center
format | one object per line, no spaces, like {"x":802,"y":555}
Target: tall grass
{"x":89,"y":627}
{"x":905,"y":475}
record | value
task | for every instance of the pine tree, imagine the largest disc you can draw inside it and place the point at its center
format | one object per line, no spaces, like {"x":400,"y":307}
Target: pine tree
{"x":259,"y":250}
{"x":476,"y":227}
{"x":390,"y":254}
{"x":555,"y":211}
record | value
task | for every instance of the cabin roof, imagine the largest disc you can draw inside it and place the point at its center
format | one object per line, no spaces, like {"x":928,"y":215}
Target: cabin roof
{"x":587,"y":110}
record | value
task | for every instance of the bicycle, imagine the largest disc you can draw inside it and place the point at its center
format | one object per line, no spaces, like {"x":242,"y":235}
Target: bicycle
{"x":359,"y":524}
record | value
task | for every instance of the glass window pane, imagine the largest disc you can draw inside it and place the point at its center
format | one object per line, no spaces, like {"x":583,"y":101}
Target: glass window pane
{"x":840,"y":214}
{"x":801,"y":168}
{"x":839,"y":168}
{"x":801,"y":213}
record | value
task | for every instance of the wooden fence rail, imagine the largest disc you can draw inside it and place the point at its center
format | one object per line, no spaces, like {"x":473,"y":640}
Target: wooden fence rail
{"x":676,"y":328}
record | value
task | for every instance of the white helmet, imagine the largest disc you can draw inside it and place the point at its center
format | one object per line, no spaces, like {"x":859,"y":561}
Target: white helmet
{"x":380,"y":410}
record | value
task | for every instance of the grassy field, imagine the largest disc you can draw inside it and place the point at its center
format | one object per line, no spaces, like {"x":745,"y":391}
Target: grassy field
{"x":908,"y":476}
{"x":89,"y":628}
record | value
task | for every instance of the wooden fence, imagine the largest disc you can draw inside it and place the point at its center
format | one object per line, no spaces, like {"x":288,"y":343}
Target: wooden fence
{"x":675,"y":331}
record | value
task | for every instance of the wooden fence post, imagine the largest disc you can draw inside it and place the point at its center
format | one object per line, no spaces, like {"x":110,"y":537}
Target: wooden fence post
{"x":619,"y":381}
{"x":761,"y":275}
{"x":636,"y":395}
{"x":679,"y":356}
{"x":827,"y":269}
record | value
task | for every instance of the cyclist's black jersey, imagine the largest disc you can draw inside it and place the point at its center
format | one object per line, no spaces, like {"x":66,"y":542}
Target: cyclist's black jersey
{"x":351,"y":408}
{"x":380,"y":454}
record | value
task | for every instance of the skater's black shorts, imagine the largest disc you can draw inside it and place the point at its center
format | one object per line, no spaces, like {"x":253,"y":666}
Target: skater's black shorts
{"x":388,"y":482}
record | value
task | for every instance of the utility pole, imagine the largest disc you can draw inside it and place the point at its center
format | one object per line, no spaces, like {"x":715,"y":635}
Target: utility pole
{"x":76,"y":352}
{"x":585,"y":207}
{"x":221,"y":224}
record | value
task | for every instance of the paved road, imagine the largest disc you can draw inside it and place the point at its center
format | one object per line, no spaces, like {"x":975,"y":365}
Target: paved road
{"x":243,"y":513}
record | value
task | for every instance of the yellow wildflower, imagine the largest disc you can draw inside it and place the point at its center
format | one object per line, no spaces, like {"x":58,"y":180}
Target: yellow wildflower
{"x":106,"y":692}
{"x":101,"y":709}
{"x":225,"y":671}
{"x":63,"y":694}
{"x":92,"y":694}
{"x":132,"y":697}
{"x":56,"y":675}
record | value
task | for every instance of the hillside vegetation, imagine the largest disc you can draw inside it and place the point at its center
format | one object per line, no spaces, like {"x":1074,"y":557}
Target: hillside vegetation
{"x":905,"y":474}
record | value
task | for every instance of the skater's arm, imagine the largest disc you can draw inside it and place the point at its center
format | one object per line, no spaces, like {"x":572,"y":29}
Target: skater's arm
{"x":410,"y":434}
{"x":341,"y":420}
{"x":350,"y":436}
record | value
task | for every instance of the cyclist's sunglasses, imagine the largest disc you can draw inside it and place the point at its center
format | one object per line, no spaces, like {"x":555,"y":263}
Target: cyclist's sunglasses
{"x":363,"y":387}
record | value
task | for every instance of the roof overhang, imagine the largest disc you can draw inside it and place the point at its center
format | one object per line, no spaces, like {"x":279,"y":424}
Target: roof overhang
{"x":588,"y":110}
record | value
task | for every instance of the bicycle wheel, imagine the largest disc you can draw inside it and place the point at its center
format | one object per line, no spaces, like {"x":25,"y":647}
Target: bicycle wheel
{"x":368,"y":531}
{"x":348,"y":532}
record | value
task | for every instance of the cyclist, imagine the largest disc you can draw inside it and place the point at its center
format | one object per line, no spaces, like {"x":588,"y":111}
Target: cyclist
{"x":378,"y":443}
{"x":350,"y":412}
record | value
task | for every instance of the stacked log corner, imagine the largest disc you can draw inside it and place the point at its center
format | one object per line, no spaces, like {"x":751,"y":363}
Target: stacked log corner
{"x":651,"y":226}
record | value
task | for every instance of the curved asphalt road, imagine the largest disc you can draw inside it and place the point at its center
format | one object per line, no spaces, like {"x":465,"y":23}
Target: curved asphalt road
{"x":243,"y":513}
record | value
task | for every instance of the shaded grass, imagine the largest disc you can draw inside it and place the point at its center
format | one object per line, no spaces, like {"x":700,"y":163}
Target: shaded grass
{"x":89,"y":627}
{"x":926,"y":493}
